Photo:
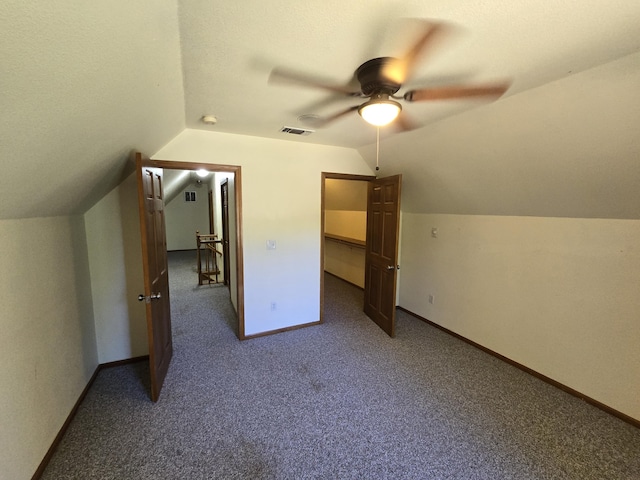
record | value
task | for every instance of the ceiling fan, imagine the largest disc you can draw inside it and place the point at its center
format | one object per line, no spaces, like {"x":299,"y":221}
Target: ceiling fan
{"x":381,"y":78}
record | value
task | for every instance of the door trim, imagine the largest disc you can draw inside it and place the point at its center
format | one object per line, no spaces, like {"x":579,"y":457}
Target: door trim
{"x":237,"y":171}
{"x":335,"y":176}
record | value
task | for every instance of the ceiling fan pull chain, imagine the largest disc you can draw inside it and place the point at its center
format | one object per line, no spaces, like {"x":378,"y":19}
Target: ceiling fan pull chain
{"x":377,"y":148}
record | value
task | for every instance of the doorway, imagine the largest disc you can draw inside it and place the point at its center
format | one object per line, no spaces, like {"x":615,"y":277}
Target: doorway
{"x":230,"y":226}
{"x":343,"y":229}
{"x":377,"y":220}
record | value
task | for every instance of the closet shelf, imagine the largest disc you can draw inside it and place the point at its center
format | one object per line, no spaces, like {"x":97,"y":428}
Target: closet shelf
{"x":352,"y":242}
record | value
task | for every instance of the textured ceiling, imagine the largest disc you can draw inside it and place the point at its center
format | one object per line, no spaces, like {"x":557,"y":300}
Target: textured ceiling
{"x":566,"y":149}
{"x":84,"y":83}
{"x":81,"y":85}
{"x":229,"y":48}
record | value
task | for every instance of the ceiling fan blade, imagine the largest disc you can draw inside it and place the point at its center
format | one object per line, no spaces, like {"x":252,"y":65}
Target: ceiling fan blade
{"x":327,"y":100}
{"x":404,"y":123}
{"x":280,"y":75}
{"x":444,"y":93}
{"x":327,"y":120}
{"x":400,"y":69}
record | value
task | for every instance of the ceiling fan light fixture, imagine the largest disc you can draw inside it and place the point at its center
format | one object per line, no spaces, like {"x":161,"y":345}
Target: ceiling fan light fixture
{"x":380,"y":111}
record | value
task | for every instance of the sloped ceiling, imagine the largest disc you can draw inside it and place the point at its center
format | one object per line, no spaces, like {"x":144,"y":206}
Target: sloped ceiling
{"x":229,"y":49}
{"x":84,"y":83}
{"x":175,"y":181}
{"x":569,"y":148}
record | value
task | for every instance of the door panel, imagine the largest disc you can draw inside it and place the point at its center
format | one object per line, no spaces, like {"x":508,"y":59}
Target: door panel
{"x":383,"y":215}
{"x":376,"y":240}
{"x":156,"y":272}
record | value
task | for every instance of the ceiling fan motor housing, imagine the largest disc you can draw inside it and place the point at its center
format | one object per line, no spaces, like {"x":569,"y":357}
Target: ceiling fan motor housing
{"x":372,"y":80}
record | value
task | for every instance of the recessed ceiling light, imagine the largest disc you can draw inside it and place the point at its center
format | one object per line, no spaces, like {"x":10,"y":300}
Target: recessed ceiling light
{"x":309,"y":118}
{"x":209,"y":119}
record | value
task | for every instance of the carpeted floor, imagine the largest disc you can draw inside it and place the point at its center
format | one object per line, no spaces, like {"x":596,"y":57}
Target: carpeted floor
{"x":336,"y":401}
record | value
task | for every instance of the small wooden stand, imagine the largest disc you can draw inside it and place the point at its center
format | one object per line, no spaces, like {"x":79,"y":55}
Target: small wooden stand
{"x":207,"y":254}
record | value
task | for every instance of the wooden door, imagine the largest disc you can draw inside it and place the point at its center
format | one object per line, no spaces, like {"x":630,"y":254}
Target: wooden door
{"x":224,"y":200}
{"x":156,"y":274}
{"x":381,"y":257}
{"x":211,"y":210}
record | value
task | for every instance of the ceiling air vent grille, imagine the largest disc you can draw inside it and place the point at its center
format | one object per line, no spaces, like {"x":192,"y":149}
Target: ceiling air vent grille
{"x":296,"y":131}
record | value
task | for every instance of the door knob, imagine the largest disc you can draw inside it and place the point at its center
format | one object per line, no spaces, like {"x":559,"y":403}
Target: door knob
{"x":153,"y":296}
{"x":390,"y":267}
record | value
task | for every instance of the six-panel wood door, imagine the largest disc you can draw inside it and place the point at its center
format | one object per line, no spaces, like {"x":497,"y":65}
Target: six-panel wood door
{"x":383,"y":216}
{"x":156,"y":274}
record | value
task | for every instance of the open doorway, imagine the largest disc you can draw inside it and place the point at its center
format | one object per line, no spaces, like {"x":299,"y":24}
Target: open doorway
{"x":151,"y":204}
{"x":197,"y":221}
{"x":344,"y":218}
{"x":203,"y":211}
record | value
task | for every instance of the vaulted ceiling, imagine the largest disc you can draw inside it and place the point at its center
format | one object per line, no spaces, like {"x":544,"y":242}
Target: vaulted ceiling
{"x":84,"y":83}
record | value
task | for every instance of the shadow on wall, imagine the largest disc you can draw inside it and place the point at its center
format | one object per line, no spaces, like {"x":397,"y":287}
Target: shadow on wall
{"x":83,"y":291}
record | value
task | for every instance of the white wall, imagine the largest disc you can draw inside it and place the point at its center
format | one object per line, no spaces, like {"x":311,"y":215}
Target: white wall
{"x":115,"y":258}
{"x":47,"y":345}
{"x":184,"y":218}
{"x":281,"y":201}
{"x":558,"y":295}
{"x":216,"y":179}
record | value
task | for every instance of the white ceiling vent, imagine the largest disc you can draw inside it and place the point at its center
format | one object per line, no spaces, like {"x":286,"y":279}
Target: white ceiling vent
{"x":296,"y":131}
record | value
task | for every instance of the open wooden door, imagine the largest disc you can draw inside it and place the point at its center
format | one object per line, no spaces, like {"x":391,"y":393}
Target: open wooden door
{"x":156,"y":272}
{"x":381,"y":257}
{"x":211,"y":213}
{"x":224,"y":196}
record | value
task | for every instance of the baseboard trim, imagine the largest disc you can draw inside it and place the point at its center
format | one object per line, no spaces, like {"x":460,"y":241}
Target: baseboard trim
{"x":281,"y":330}
{"x":127,"y":361}
{"x":56,"y":441}
{"x":622,"y":416}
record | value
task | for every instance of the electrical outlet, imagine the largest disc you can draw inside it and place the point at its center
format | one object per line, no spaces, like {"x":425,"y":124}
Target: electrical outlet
{"x":434,"y":232}
{"x":431,"y":299}
{"x":274,"y":306}
{"x":271,"y":244}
